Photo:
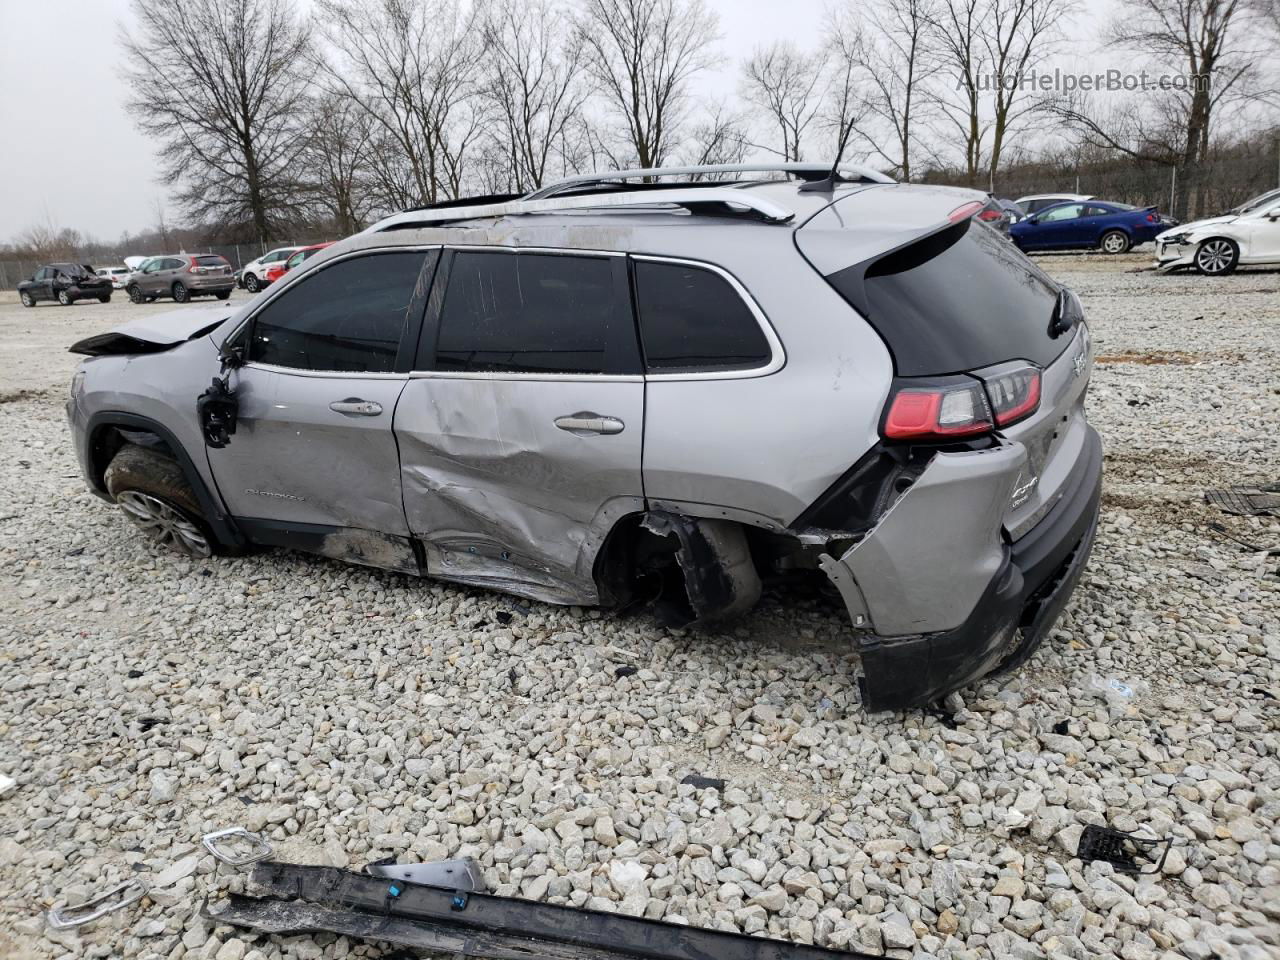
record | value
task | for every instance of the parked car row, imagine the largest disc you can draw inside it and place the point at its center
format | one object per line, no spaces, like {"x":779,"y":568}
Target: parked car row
{"x":1247,"y":234}
{"x":270,"y":267}
{"x":180,"y":276}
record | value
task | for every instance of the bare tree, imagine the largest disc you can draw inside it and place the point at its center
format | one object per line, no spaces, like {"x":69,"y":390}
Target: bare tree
{"x":986,"y":46}
{"x":718,"y":138}
{"x":643,"y":54}
{"x":898,"y":63}
{"x":415,"y":67}
{"x":786,"y":85}
{"x":46,"y":241}
{"x":1017,"y":33}
{"x":215,"y":81}
{"x":956,"y":30}
{"x":533,"y":86}
{"x":337,"y":158}
{"x":845,"y":108}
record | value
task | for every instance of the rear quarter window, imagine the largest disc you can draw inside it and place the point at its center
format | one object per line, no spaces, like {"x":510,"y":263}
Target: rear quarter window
{"x":693,"y":320}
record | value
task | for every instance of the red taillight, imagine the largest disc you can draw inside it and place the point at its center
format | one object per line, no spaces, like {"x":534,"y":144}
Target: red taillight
{"x":989,"y":215}
{"x":943,"y":412}
{"x":193,"y":266}
{"x":1014,"y":395}
{"x":965,"y":211}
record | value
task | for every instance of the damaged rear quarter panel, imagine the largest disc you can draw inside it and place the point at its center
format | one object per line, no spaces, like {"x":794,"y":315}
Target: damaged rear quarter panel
{"x":927,"y":562}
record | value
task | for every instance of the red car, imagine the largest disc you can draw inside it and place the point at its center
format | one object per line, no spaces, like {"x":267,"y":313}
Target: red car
{"x":278,"y":270}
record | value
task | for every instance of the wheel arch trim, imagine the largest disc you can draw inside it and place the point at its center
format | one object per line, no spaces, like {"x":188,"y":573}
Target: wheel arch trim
{"x":223,"y":524}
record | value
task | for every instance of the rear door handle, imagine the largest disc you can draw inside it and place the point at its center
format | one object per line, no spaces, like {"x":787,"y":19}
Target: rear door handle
{"x":587,"y":422}
{"x":355,"y":407}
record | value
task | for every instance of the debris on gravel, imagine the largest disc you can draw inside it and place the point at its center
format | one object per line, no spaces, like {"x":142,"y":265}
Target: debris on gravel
{"x":349,"y":714}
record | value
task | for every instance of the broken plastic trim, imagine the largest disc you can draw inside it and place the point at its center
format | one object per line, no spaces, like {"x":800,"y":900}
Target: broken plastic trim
{"x":720,"y":579}
{"x":62,"y":917}
{"x":304,"y":898}
{"x":460,"y":874}
{"x":217,"y":410}
{"x":221,"y":842}
{"x":1127,"y":852}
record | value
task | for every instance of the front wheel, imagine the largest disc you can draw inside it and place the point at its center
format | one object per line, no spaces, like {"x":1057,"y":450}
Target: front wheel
{"x":27,"y":299}
{"x":252,"y":284}
{"x":180,"y":294}
{"x":1217,"y":257}
{"x":156,"y":498}
{"x":64,"y":298}
{"x":135,"y":294}
{"x":1115,"y":241}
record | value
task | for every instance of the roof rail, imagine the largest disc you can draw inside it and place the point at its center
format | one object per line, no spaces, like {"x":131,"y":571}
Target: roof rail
{"x":806,"y":171}
{"x":690,"y":198}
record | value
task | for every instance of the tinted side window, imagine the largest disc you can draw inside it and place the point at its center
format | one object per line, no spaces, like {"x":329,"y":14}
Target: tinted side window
{"x":530,"y":313}
{"x":347,"y":317}
{"x":692,"y":319}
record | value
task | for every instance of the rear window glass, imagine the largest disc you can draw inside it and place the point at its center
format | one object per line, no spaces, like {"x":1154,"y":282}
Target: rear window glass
{"x":529,"y":313}
{"x":961,"y":299}
{"x":692,"y":319}
{"x":211,"y":261}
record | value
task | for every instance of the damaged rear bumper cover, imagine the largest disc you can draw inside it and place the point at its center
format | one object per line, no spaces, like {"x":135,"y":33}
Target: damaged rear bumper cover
{"x":1005,"y":588}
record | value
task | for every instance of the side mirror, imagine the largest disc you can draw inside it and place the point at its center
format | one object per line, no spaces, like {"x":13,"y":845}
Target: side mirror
{"x":1033,"y":219}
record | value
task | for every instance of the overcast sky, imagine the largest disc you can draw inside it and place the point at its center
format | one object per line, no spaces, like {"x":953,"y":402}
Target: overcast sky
{"x":72,"y":156}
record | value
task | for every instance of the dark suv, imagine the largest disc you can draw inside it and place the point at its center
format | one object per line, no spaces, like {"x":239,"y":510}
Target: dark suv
{"x":66,"y":283}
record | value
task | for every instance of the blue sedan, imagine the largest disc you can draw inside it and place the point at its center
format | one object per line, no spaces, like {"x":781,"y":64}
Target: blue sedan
{"x":1088,"y":224}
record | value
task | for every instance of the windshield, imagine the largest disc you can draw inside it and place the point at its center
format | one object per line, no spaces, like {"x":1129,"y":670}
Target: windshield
{"x":1257,"y":202}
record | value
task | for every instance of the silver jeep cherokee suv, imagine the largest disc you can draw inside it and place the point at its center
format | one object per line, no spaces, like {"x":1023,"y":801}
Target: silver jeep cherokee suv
{"x":610,"y":393}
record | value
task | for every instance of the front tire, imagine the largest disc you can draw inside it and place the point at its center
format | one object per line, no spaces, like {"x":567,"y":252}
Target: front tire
{"x":180,"y":294}
{"x":1115,"y":241}
{"x":151,"y":490}
{"x":135,"y":294}
{"x":1217,"y":257}
{"x":64,"y":298}
{"x":27,"y":299}
{"x":252,"y":284}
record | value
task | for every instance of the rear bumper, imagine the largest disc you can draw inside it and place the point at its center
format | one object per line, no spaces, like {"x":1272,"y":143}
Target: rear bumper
{"x":211,"y":284}
{"x":1035,"y":579}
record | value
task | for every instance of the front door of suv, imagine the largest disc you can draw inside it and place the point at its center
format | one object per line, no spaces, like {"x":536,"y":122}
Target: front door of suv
{"x":521,"y":428}
{"x":313,"y":462}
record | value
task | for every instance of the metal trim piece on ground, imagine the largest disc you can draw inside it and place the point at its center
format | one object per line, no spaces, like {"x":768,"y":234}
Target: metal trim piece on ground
{"x":481,"y":925}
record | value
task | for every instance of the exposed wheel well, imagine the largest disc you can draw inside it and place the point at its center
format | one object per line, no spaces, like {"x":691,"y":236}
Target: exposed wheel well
{"x":108,"y":432}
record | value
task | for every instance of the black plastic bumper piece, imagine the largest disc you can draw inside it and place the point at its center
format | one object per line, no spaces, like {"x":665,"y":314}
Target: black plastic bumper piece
{"x":1029,"y":592}
{"x":302,"y":898}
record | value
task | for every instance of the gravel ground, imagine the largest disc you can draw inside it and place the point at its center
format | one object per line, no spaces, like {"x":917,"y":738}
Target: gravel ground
{"x":351,"y":714}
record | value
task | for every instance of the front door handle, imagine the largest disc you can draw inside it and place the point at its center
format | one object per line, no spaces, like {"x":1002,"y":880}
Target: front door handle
{"x":355,"y":407}
{"x":585,"y":423}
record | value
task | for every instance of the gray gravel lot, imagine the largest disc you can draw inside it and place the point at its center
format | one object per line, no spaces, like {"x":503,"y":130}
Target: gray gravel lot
{"x":352,"y":714}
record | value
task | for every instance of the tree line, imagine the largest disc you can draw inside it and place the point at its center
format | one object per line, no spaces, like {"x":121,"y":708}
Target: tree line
{"x":267,"y":117}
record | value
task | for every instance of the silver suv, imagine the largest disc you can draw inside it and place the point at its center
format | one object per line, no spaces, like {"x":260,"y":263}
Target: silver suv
{"x":181,"y":276}
{"x":610,"y":393}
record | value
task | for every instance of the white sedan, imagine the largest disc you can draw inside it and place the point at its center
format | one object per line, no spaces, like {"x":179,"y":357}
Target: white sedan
{"x":1249,"y":234}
